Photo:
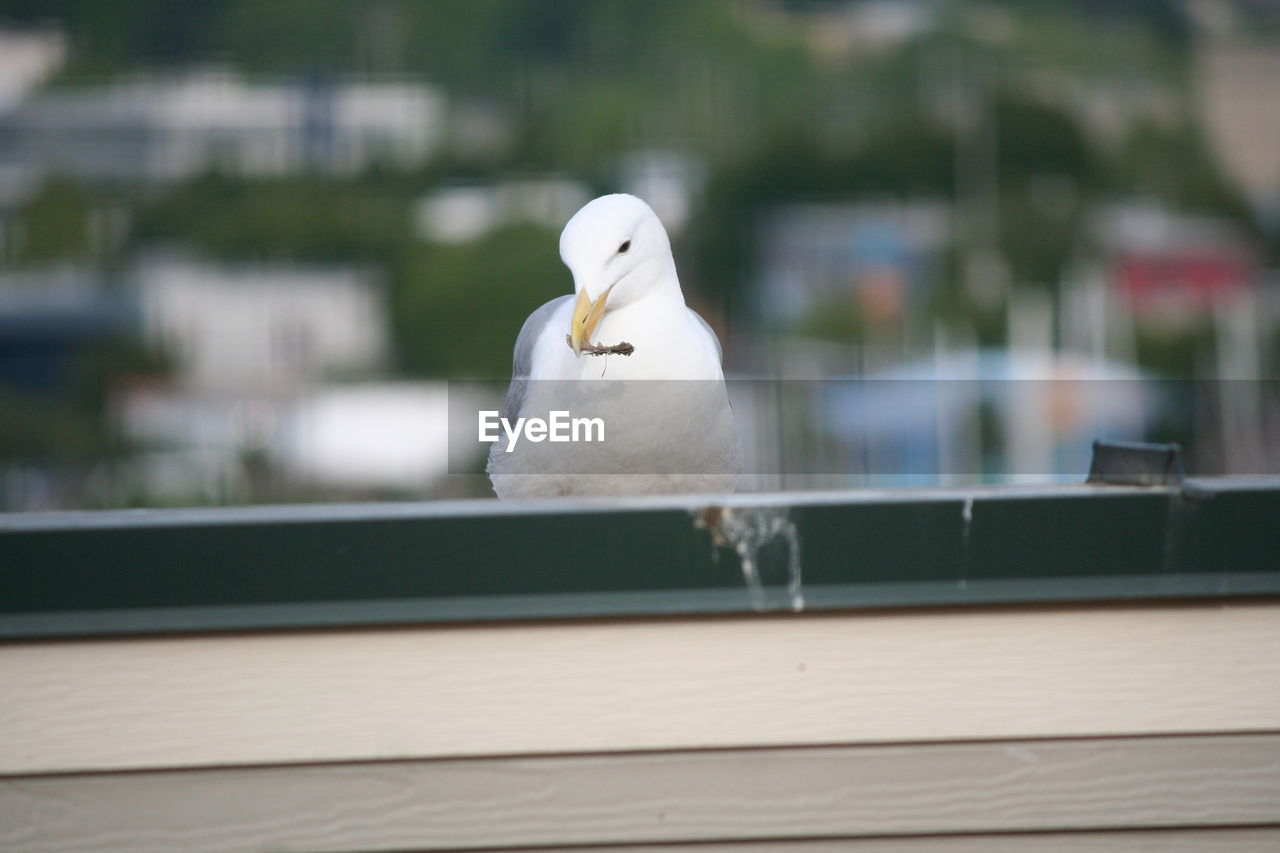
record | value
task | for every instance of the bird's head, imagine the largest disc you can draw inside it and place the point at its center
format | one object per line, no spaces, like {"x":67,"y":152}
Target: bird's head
{"x":618,"y":252}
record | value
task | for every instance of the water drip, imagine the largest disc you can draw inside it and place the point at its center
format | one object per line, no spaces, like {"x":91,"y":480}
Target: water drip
{"x":748,"y":529}
{"x":966,"y":515}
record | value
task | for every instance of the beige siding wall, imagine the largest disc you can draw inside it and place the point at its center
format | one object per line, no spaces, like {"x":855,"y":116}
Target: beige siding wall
{"x":1110,"y":728}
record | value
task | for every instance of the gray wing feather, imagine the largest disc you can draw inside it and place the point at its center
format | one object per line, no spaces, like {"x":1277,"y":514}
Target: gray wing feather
{"x":522,"y":358}
{"x":711,"y":332}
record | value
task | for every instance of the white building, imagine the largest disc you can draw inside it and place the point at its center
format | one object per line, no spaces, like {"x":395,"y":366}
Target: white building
{"x":459,"y":214}
{"x":357,"y":436}
{"x":366,"y":436}
{"x":161,"y":129}
{"x":252,"y":347}
{"x":812,"y":255}
{"x":671,"y":181}
{"x":838,"y":31}
{"x":261,"y":328}
{"x":1236,"y":85}
{"x":27,"y":58}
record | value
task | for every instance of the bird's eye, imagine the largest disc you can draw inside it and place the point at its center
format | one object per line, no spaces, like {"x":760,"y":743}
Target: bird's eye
{"x":623,"y":248}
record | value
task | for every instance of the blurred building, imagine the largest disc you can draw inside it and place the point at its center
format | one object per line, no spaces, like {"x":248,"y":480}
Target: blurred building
{"x":671,"y":181}
{"x":837,"y":31}
{"x":921,"y":423}
{"x":374,"y":435}
{"x":48,"y":317}
{"x":959,"y":417}
{"x":356,"y":438}
{"x":1240,"y":108}
{"x":1110,"y":107}
{"x":1171,"y":266}
{"x":875,"y":254}
{"x":27,"y":58}
{"x":261,"y":328}
{"x":164,"y":129}
{"x":252,"y":348}
{"x":459,"y":214}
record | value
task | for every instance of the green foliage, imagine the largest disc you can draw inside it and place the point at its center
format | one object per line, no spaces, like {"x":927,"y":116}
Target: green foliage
{"x":459,"y":308}
{"x":1174,"y":164}
{"x":287,"y":35}
{"x":73,"y":424}
{"x":54,"y":225}
{"x":837,"y":320}
{"x":1036,"y":139}
{"x":287,"y":218}
{"x":1173,"y":351}
{"x":44,"y":428}
{"x":99,"y":368}
{"x":1103,"y":36}
{"x":1035,"y":249}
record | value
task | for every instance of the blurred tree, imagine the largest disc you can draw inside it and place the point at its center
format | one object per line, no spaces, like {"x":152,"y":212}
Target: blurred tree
{"x":54,"y":224}
{"x":286,"y":218}
{"x":45,"y":429}
{"x":1174,"y":351}
{"x":109,"y":37}
{"x":458,"y":308}
{"x":1174,"y":164}
{"x":1035,"y":139}
{"x":833,"y":320}
{"x":289,"y":36}
{"x":1046,"y":172}
{"x":1037,"y":241}
{"x":72,"y":423}
{"x":1167,"y":21}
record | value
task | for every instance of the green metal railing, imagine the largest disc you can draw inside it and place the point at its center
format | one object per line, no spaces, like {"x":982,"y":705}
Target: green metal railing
{"x":86,"y":573}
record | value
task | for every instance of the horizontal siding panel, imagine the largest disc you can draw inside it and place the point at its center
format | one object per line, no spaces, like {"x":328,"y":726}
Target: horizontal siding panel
{"x":670,"y":684}
{"x":875,"y":791}
{"x":1157,"y":841}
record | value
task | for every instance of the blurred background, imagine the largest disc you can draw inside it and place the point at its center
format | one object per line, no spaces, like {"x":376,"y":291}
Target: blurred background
{"x":248,"y":249}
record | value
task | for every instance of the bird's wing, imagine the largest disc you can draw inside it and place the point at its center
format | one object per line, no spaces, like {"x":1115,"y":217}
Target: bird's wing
{"x":710,"y":331}
{"x":522,"y":358}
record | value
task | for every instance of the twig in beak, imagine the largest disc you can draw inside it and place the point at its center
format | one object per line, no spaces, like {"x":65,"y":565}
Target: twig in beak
{"x":589,"y":348}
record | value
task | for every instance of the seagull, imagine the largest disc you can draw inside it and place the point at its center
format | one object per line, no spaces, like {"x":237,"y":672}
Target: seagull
{"x":665,"y":421}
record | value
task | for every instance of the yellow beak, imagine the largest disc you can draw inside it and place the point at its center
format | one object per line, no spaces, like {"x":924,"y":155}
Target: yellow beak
{"x":586,"y":315}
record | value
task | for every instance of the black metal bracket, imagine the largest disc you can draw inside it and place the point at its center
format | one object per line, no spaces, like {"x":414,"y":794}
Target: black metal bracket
{"x":1131,"y":463}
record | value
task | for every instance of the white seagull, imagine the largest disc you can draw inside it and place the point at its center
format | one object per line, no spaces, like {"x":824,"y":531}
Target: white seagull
{"x":665,"y":424}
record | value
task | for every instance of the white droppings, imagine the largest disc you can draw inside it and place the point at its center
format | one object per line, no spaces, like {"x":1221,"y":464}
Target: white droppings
{"x":748,"y":529}
{"x":966,"y":515}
